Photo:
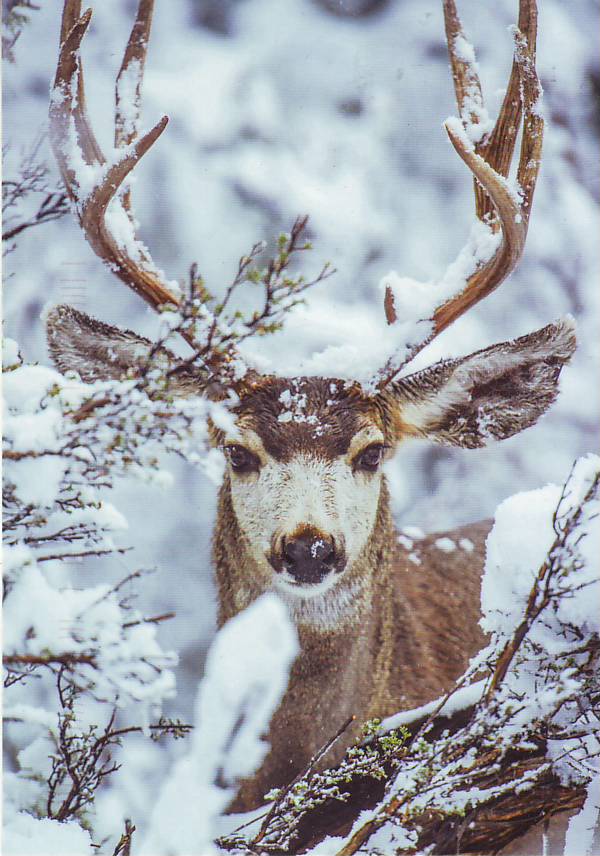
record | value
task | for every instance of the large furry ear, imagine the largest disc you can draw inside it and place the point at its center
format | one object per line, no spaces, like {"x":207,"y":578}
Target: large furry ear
{"x":99,"y":351}
{"x":489,"y":395}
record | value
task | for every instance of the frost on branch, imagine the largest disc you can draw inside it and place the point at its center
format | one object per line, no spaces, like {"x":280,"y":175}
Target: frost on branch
{"x":515,"y":742}
{"x":216,"y":325}
{"x":28,"y":197}
{"x":82,"y":667}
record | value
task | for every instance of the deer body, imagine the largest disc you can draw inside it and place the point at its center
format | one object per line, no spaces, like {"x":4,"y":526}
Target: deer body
{"x":304,"y":511}
{"x":304,"y":507}
{"x":389,"y":633}
{"x":397,"y":644}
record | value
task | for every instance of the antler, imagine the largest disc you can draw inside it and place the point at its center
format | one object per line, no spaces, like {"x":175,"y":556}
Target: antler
{"x":489,"y":158}
{"x":92,"y":183}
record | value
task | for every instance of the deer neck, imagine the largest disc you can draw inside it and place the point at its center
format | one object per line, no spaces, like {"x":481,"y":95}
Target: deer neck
{"x":346,"y":647}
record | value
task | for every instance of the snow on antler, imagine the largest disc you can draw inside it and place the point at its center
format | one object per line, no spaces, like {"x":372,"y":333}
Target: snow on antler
{"x":501,"y":208}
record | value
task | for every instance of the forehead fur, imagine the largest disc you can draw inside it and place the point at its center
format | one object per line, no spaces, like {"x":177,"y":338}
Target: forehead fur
{"x":316,"y":415}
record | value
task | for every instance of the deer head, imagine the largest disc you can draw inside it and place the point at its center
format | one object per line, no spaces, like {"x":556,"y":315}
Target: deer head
{"x":304,"y":476}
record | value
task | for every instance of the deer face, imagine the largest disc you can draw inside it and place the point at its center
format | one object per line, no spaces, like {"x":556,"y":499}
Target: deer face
{"x":304,"y":465}
{"x":305,"y":476}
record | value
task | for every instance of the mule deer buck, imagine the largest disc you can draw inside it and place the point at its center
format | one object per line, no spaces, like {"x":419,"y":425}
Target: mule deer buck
{"x":304,"y":508}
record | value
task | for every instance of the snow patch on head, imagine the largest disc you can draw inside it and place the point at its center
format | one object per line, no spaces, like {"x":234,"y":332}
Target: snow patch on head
{"x":294,"y":404}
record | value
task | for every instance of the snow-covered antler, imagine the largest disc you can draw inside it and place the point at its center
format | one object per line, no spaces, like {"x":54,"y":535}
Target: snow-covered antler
{"x":92,"y":182}
{"x":488,"y":154}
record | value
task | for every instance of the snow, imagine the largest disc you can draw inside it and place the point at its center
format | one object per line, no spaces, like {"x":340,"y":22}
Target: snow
{"x":213,"y":464}
{"x":446,"y":545}
{"x":32,"y":489}
{"x":10,"y":352}
{"x":413,"y":532}
{"x":515,"y":550}
{"x":460,"y":699}
{"x":518,"y":544}
{"x":121,"y":228}
{"x":474,"y":114}
{"x":28,"y":713}
{"x":391,"y":838}
{"x":542,"y":560}
{"x":417,"y":301}
{"x":128,"y":82}
{"x":245,"y":678}
{"x":295,"y":405}
{"x":48,"y":621}
{"x":25,"y":835}
{"x":584,"y":826}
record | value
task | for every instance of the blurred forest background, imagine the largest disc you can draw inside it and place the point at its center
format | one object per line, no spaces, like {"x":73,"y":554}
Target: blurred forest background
{"x":332,"y":108}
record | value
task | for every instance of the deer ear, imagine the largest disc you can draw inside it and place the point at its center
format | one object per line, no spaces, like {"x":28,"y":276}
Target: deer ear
{"x":489,"y":395}
{"x":95,"y":350}
{"x":99,"y":351}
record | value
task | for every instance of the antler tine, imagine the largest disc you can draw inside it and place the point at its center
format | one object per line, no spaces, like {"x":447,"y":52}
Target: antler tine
{"x":497,"y":147}
{"x":514,"y":230}
{"x":128,"y":85}
{"x":533,"y":122}
{"x":502,"y":208}
{"x":145,"y":282}
{"x":92,"y":183}
{"x":67,"y":109}
{"x":68,"y":101}
{"x":467,"y":85}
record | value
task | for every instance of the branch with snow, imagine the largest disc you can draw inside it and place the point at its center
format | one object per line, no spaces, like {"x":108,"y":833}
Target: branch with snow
{"x":82,"y":667}
{"x":94,"y":659}
{"x":28,"y":197}
{"x":216,"y":326}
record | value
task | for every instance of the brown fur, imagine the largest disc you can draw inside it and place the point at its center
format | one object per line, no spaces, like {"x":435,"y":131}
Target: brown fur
{"x":330,"y":415}
{"x":414,"y":629}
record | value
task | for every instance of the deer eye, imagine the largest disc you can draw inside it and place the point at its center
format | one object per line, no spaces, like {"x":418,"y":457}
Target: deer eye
{"x":370,"y":458}
{"x":241,"y":459}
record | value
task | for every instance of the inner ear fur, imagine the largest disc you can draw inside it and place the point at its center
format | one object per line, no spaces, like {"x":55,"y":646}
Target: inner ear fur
{"x":99,"y":351}
{"x":486,"y":396}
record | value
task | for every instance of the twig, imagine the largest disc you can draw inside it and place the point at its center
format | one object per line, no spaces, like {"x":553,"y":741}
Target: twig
{"x":66,"y":660}
{"x":306,"y":772}
{"x":156,"y":619}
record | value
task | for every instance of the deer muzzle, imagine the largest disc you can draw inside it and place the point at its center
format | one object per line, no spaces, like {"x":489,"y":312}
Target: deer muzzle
{"x":308,"y":556}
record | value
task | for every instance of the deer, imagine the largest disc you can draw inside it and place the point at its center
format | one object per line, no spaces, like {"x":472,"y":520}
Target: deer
{"x":304,"y":508}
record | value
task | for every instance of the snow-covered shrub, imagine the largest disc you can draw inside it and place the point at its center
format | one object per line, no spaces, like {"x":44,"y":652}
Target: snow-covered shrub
{"x":82,"y":666}
{"x":242,"y":688}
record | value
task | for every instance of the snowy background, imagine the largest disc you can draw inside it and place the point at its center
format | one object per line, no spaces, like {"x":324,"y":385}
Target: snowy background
{"x":284,"y":108}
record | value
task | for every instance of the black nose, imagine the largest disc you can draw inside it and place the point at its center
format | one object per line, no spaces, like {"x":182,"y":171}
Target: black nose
{"x":309,"y":557}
